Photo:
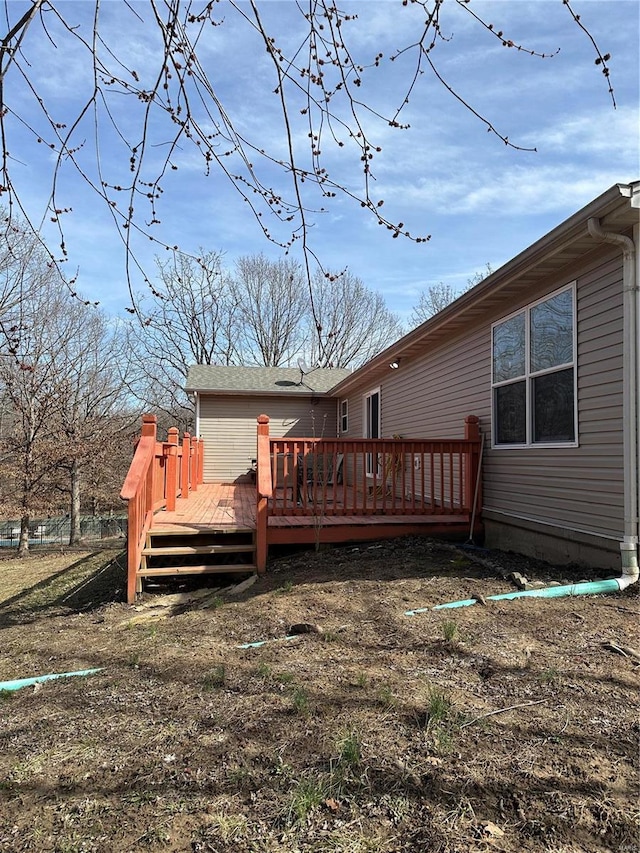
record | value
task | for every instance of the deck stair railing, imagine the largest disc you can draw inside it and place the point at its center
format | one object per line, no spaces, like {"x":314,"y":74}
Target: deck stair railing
{"x":159,"y":473}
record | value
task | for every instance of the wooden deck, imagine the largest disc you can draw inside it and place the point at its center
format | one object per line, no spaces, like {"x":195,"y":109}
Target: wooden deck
{"x":229,"y":507}
{"x":307,"y":491}
{"x":214,"y":506}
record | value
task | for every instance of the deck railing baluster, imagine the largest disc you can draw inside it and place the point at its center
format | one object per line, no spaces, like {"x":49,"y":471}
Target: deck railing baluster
{"x":186,"y":452}
{"x":403,"y":478}
{"x":451,"y":502}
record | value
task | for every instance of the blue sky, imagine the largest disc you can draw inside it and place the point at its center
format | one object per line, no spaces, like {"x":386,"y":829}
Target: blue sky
{"x":481,"y":201}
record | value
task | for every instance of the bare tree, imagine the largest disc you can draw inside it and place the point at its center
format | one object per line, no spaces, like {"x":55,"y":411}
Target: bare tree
{"x":191,"y":318}
{"x":89,"y":400}
{"x":479,"y":276}
{"x":28,"y":378}
{"x":260,"y":315}
{"x":355,"y":322}
{"x":104,"y":471}
{"x":23,"y":267}
{"x":61,"y":365}
{"x":147,"y":114}
{"x":432,"y":301}
{"x":438,"y":296}
{"x":273,"y":304}
{"x":19,"y":253}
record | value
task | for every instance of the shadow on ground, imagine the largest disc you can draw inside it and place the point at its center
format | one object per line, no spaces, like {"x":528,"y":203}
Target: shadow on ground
{"x":90,"y":582}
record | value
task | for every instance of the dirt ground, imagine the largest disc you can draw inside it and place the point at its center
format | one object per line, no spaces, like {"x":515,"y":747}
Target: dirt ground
{"x":509,"y":726}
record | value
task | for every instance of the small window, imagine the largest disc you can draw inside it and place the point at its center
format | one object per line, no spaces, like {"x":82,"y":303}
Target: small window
{"x":534,"y":373}
{"x":344,"y":416}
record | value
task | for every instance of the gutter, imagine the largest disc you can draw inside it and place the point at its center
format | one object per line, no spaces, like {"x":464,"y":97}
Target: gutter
{"x":243,"y":392}
{"x":631,"y":423}
{"x":563,"y":234}
{"x":630,"y":395}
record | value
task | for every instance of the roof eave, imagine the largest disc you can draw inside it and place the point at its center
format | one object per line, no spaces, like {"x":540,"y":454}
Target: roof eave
{"x":610,"y":208}
{"x":257,"y":392}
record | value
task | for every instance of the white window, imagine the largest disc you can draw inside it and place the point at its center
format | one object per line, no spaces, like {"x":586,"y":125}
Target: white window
{"x":344,"y":416}
{"x":534,"y":374}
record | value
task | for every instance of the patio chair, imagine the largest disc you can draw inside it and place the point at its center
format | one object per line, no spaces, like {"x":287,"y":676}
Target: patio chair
{"x":325,"y":475}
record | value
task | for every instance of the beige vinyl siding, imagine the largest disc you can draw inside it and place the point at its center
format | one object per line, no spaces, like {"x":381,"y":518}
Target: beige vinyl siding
{"x":228,"y":427}
{"x":580,"y":488}
{"x":430,"y":397}
{"x":425,"y":399}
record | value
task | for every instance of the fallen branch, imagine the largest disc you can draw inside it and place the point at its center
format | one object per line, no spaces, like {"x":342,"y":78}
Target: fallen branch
{"x":502,"y":711}
{"x":626,"y":651}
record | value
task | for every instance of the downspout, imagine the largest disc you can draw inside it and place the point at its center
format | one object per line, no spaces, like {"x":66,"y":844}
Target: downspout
{"x":631,"y":423}
{"x":630,"y":376}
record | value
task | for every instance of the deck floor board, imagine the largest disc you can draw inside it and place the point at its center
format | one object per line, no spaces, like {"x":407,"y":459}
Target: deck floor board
{"x":224,"y":506}
{"x":232,"y":506}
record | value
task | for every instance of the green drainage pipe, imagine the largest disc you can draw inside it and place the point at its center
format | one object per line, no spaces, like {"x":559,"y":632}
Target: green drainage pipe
{"x":18,"y":683}
{"x":588,"y":588}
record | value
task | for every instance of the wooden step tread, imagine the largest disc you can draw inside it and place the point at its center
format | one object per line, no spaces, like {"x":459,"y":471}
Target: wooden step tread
{"x":186,"y":530}
{"x":246,"y":568}
{"x":153,"y":551}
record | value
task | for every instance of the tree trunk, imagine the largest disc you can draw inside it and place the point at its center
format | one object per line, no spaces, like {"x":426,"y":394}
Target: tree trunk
{"x":25,"y":518}
{"x":74,"y":521}
{"x":23,"y":544}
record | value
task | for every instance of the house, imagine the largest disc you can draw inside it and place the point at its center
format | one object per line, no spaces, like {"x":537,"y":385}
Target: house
{"x":228,"y":401}
{"x":545,"y":352}
{"x":512,"y":414}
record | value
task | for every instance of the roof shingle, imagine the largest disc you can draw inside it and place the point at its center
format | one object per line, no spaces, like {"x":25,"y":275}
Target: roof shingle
{"x":205,"y":378}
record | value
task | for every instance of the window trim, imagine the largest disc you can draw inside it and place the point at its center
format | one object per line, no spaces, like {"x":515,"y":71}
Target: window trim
{"x":530,"y":375}
{"x":343,"y":415}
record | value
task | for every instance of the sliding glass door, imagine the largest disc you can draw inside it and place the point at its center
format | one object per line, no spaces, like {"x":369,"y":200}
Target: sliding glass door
{"x":372,"y":425}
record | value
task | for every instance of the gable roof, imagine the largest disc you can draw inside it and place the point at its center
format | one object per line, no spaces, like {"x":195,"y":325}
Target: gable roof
{"x":617,"y":209}
{"x":209,"y":379}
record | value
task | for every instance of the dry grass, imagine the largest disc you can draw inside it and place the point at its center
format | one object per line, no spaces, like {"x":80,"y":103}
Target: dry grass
{"x":379,"y":739}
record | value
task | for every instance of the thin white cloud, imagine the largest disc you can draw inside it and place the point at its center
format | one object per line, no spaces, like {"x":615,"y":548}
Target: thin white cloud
{"x":596,"y":132}
{"x":516,"y":190}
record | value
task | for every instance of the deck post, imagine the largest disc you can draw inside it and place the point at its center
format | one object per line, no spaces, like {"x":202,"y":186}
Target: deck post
{"x":195,"y":463}
{"x":133,"y":553}
{"x":186,"y":452}
{"x":171,"y":454}
{"x":472,"y":433}
{"x":150,"y":430}
{"x":263,"y":492}
{"x":137,"y":512}
{"x":200,"y":461}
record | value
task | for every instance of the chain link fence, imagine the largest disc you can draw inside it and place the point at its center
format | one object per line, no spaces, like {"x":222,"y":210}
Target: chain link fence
{"x":56,"y":531}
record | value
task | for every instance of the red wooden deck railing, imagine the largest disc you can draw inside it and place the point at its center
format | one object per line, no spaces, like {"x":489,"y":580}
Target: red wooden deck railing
{"x":311,"y":477}
{"x":159,"y":473}
{"x":317,"y":477}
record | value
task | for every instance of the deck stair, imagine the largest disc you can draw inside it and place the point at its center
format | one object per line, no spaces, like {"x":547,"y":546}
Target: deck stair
{"x":195,"y":551}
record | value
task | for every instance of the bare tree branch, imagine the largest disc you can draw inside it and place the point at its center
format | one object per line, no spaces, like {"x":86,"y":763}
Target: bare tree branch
{"x":151,"y":115}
